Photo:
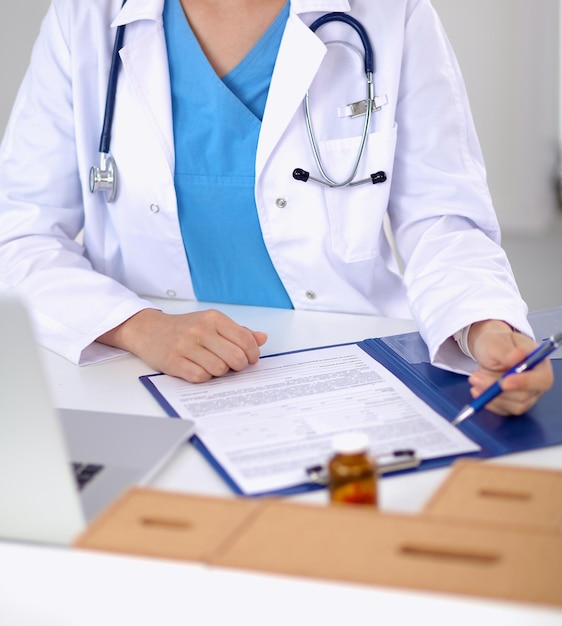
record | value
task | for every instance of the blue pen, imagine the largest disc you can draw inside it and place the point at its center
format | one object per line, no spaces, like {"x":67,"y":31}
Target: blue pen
{"x":534,"y":358}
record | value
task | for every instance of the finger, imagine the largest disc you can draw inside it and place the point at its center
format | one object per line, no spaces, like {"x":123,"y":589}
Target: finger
{"x":519,"y":392}
{"x":200,"y":366}
{"x":212,"y":333}
{"x":501,"y":404}
{"x":539,"y":379}
{"x":260,"y":337}
{"x":240,"y":347}
{"x":217,"y":354}
{"x":508,"y":404}
{"x":238,"y":356}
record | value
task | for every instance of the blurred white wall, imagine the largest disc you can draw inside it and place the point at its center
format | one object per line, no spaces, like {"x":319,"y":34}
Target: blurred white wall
{"x":509,"y":51}
{"x":19,"y":26}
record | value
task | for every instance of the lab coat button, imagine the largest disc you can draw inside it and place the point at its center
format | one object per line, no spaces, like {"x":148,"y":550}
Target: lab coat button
{"x":171,"y":293}
{"x":310,"y":295}
{"x":281,"y":203}
{"x":154,"y":208}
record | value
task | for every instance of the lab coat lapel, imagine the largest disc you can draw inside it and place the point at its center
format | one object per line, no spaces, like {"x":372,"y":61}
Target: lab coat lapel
{"x":145,"y":67}
{"x":298,"y":60}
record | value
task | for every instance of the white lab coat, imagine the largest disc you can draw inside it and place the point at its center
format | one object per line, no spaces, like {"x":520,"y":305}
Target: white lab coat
{"x":327,"y":245}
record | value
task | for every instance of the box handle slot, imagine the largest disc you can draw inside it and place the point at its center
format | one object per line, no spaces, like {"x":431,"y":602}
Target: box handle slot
{"x":165,"y":522}
{"x":504,"y":495}
{"x":449,"y":554}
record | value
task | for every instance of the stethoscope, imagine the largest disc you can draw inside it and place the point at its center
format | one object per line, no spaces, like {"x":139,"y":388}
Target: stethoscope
{"x":363,"y":107}
{"x":104,"y":177}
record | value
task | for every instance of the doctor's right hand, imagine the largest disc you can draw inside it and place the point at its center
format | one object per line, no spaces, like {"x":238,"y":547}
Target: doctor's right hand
{"x":194,"y":346}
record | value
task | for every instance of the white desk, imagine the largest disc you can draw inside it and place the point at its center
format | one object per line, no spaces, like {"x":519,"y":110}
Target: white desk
{"x":50,"y":586}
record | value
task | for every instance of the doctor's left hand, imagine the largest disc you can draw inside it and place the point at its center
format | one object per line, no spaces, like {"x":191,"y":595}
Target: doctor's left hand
{"x":194,"y":346}
{"x":497,"y":348}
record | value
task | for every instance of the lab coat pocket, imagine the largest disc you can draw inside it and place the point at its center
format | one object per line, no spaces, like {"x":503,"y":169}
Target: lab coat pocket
{"x":356,"y":213}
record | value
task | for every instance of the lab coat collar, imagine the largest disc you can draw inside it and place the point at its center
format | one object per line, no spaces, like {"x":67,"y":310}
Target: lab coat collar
{"x":292,"y":76}
{"x":320,"y":6}
{"x":135,"y":10}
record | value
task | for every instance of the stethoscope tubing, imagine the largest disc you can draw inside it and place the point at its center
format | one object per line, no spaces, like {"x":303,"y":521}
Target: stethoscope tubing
{"x":369,"y":63}
{"x":336,"y":16}
{"x":316,"y":151}
{"x":105,"y":138}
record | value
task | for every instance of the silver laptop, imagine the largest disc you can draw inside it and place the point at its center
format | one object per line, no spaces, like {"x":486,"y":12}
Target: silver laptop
{"x":43,"y":450}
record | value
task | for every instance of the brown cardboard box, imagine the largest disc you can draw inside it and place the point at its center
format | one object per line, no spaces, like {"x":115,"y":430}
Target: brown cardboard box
{"x":166,"y":524}
{"x":500,"y":494}
{"x":360,"y":546}
{"x":339,"y":543}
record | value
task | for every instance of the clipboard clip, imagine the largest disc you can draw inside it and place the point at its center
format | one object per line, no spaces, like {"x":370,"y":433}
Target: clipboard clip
{"x":386,"y":463}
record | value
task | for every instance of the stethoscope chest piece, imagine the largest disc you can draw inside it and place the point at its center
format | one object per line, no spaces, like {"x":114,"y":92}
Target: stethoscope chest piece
{"x":104,"y":177}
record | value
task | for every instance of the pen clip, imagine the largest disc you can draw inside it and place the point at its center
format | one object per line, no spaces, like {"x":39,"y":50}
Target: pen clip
{"x":556,"y":339}
{"x":386,"y":463}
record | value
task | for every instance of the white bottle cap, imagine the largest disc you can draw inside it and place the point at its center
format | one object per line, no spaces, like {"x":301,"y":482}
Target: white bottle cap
{"x":350,"y":443}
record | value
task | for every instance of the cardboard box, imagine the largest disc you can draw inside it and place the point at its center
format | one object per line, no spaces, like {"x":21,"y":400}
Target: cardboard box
{"x":355,"y":545}
{"x":500,"y":494}
{"x":171,"y":525}
{"x":339,"y":543}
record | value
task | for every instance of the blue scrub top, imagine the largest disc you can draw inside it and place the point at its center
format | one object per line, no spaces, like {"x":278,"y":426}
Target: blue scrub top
{"x":216,"y":128}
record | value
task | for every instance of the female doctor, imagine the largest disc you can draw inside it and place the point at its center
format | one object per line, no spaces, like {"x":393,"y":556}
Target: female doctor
{"x":207,"y":130}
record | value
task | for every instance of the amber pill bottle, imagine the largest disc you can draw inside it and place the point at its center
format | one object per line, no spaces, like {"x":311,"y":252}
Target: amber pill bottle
{"x":352,"y":471}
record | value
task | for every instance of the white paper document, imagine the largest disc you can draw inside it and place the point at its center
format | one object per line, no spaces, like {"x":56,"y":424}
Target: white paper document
{"x":267,"y":424}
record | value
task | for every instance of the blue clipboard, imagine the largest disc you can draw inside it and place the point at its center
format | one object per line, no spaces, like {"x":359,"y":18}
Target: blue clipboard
{"x":406,"y":356}
{"x":447,"y":393}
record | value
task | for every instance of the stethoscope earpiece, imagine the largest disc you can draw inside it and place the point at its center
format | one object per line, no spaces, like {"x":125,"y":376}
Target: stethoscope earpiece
{"x":300,"y":174}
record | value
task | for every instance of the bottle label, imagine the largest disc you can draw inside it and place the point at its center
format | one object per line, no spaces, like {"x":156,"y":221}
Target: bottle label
{"x":358,"y":492}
